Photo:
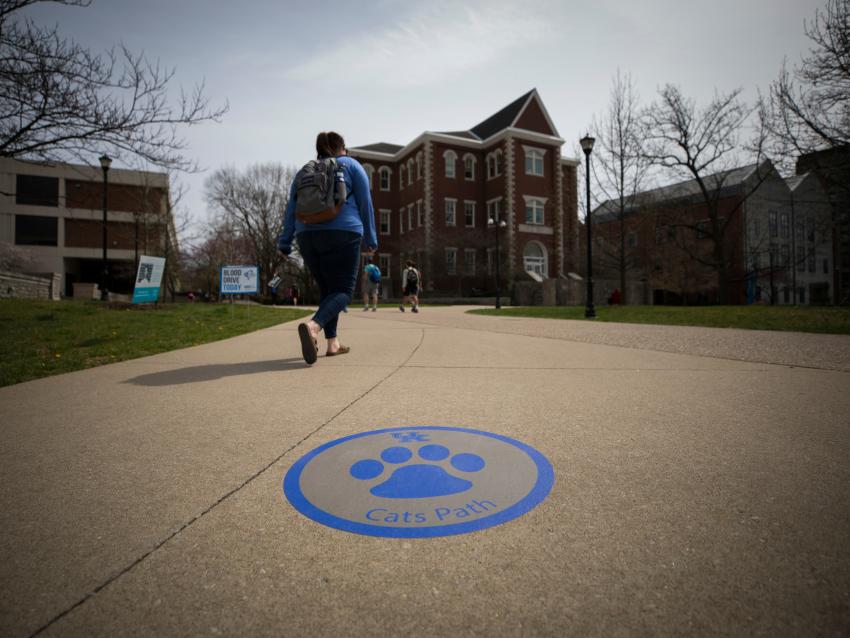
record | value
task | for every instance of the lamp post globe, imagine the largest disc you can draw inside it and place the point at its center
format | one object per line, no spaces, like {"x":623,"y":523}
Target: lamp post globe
{"x":587,"y":146}
{"x":105,"y":163}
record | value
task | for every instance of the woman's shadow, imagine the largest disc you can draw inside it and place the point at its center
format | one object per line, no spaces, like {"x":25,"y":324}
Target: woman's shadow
{"x":215,"y":371}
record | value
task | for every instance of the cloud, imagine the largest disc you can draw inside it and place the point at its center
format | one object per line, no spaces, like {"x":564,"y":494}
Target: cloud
{"x":439,"y":43}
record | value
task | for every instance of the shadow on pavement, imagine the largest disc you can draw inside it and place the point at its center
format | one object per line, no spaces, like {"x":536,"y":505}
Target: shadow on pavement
{"x":214,"y":371}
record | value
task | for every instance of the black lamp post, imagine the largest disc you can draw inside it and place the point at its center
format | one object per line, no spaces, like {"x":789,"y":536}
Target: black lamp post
{"x":105,"y":163}
{"x":587,"y":146}
{"x":772,"y":249}
{"x":498,"y":225}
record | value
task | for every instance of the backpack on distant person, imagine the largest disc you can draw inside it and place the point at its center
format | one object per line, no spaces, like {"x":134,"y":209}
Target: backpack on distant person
{"x":412,"y":277}
{"x":319,"y":191}
{"x":374,"y":273}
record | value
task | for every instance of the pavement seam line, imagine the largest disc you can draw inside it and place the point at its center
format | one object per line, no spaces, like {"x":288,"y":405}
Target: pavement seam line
{"x":634,"y":347}
{"x":226,"y":496}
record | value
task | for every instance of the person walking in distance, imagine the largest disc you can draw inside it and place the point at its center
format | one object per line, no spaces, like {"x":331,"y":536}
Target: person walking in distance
{"x":330,"y":214}
{"x":370,"y":282}
{"x":410,"y":281}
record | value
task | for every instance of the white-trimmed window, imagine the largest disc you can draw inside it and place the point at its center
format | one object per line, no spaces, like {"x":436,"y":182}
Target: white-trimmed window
{"x":534,"y":210}
{"x":370,"y":171}
{"x":494,"y":164}
{"x":419,"y":165}
{"x":386,"y":221}
{"x":401,"y":222}
{"x":534,"y":259}
{"x":469,"y":214}
{"x":469,"y":261}
{"x":384,"y":263}
{"x":410,"y":217}
{"x":401,"y":177}
{"x":534,"y":160}
{"x":451,"y":216}
{"x":494,"y":209}
{"x":411,"y":170}
{"x":469,"y":166}
{"x":384,"y":174}
{"x":451,"y":261}
{"x":450,"y":158}
{"x":419,"y":219}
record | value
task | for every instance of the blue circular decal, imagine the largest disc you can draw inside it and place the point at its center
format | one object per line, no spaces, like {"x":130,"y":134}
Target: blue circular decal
{"x":418,"y":482}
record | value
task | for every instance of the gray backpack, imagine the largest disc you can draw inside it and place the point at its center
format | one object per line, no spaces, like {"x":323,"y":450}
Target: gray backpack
{"x":319,"y":191}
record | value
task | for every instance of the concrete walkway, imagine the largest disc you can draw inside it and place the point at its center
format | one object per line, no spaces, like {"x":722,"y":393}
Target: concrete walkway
{"x":702,"y":485}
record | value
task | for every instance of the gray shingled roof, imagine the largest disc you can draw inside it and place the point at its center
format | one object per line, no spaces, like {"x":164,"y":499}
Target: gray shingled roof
{"x":380,"y":147}
{"x":492,"y":125}
{"x":679,"y":192}
{"x":464,"y":134}
{"x":500,"y":120}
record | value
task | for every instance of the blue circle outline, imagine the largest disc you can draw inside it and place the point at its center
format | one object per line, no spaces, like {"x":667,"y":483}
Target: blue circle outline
{"x":541,"y":489}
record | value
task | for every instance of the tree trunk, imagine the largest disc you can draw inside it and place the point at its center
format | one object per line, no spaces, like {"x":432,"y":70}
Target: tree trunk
{"x":623,"y":296}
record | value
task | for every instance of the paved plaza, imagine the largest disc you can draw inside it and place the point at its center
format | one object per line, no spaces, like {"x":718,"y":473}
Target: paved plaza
{"x":701,"y":485}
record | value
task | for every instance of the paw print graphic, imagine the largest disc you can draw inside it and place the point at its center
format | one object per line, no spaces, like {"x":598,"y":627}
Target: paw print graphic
{"x":424,"y":476}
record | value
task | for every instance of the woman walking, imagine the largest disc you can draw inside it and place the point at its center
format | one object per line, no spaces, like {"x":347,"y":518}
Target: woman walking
{"x":331,"y":249}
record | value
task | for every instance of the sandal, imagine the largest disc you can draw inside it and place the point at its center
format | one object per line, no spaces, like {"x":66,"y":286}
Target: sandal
{"x":342,"y":350}
{"x":309,"y":347}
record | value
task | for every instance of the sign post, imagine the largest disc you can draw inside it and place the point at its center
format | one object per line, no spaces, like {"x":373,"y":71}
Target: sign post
{"x":148,"y":279}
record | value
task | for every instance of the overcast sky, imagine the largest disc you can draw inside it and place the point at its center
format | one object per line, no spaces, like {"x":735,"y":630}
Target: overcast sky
{"x":386,"y":70}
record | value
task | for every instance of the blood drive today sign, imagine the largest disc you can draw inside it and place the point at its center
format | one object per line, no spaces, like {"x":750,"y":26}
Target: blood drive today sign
{"x":237,"y":280}
{"x":420,"y":482}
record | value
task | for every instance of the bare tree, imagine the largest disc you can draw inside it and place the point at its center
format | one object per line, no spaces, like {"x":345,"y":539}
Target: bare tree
{"x":809,"y":114}
{"x":220,"y":244}
{"x":253,"y":202}
{"x":620,"y":166}
{"x":811,"y":102}
{"x":59,"y":99}
{"x":14,"y":259}
{"x":705,"y":145}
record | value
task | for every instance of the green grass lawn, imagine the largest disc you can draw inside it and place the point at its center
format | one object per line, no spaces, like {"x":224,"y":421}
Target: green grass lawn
{"x":42,"y":338}
{"x":823,"y":319}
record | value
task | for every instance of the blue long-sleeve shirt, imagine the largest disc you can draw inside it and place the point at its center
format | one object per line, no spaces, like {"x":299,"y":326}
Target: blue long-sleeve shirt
{"x":356,"y":215}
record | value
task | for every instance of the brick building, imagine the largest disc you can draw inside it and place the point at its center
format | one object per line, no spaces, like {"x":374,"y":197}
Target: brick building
{"x":776,"y":233}
{"x":832,"y":168}
{"x":53,"y":214}
{"x":433,"y":198}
